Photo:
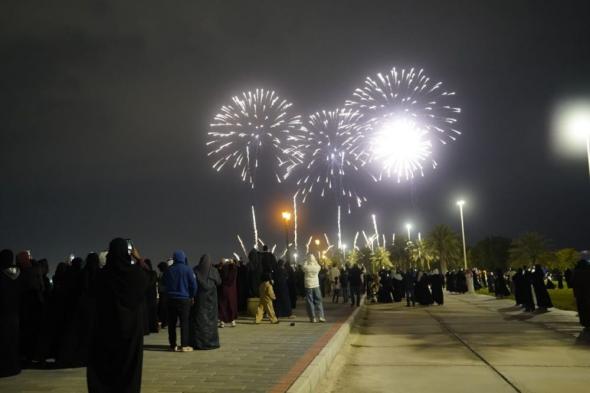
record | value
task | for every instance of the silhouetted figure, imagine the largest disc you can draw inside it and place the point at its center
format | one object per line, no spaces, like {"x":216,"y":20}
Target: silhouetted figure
{"x":9,"y":315}
{"x":282,"y":303}
{"x":538,"y":281}
{"x":436,"y":284}
{"x":116,"y":353}
{"x":228,"y":291}
{"x":581,"y":284}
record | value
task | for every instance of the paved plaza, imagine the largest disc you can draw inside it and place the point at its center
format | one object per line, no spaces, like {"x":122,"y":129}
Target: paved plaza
{"x":252,"y":358}
{"x":473,"y":343}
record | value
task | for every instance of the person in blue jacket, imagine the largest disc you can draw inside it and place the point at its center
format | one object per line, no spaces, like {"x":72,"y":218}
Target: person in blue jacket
{"x":181,"y":286}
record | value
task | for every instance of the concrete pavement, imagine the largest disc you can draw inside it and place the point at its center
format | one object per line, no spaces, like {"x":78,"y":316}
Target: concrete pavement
{"x":473,"y":343}
{"x":252,"y":358}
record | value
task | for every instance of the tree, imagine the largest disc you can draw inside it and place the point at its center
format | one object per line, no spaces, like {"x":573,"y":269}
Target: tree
{"x":492,"y":253}
{"x":564,"y":259}
{"x":420,"y":255}
{"x":398,"y":253}
{"x":444,"y":245}
{"x":379,"y":260}
{"x":528,"y":249}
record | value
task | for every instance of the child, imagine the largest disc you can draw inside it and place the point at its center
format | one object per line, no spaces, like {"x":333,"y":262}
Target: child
{"x":336,"y":287}
{"x":267,"y":295}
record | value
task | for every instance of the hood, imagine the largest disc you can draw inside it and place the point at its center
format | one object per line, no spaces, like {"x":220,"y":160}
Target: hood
{"x":179,"y":257}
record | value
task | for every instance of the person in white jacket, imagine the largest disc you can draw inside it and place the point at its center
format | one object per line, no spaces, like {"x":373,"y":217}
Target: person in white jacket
{"x":313,"y":295}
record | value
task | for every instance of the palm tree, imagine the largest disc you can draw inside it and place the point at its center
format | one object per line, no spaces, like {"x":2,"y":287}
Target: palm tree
{"x":444,"y":245}
{"x":420,"y":254}
{"x":528,"y":248}
{"x":380,"y":259}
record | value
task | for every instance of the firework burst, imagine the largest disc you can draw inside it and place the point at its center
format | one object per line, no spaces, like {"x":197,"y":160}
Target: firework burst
{"x":329,"y":141}
{"x":404,"y":111}
{"x":254,"y":120}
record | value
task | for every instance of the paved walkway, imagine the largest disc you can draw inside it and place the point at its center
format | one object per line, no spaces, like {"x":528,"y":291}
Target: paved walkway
{"x":252,"y":358}
{"x":473,"y":343}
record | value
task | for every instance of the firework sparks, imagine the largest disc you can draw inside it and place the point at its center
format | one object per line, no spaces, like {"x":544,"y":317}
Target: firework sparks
{"x":376,"y":235}
{"x":243,"y":246}
{"x":295,"y":221}
{"x":329,"y":140}
{"x":253,"y":121}
{"x":354,"y":247}
{"x":255,"y":228}
{"x":405,"y":111}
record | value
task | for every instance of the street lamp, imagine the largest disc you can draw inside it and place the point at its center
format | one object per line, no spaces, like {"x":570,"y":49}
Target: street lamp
{"x":287,"y":218}
{"x":572,"y":121}
{"x":460,"y":203}
{"x":409,"y":228}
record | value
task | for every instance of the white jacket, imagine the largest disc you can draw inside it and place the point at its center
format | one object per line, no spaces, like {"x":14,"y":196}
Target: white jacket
{"x":311,"y":268}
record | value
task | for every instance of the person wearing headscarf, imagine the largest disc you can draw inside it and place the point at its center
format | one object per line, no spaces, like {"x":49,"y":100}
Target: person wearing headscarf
{"x":203,"y":317}
{"x":88,"y":305}
{"x":70,"y":340}
{"x":151,"y":297}
{"x":32,"y":305}
{"x":181,"y":286}
{"x":580,"y":281}
{"x":436,"y":284}
{"x":10,"y":287}
{"x":423,"y":294}
{"x":228,"y":291}
{"x":242,"y":286}
{"x":527,"y":290}
{"x":162,"y":296}
{"x":541,"y":293}
{"x":292,"y":285}
{"x":282,"y":303}
{"x":116,"y":353}
{"x":254,"y":272}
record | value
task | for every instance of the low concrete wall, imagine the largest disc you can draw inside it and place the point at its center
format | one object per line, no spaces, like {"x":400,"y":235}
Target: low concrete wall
{"x":317,"y":369}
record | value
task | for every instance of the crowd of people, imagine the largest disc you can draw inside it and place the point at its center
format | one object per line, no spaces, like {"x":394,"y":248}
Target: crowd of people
{"x":94,"y":313}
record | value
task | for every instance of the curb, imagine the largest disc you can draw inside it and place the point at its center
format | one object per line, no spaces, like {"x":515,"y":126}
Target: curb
{"x":317,"y":369}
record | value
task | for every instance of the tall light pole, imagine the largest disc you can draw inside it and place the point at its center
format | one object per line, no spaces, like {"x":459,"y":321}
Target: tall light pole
{"x":460,"y":203}
{"x":409,"y":228}
{"x":287,"y":218}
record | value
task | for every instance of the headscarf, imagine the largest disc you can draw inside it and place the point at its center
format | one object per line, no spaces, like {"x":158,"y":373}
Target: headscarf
{"x":90,"y":271}
{"x":125,"y":279}
{"x":203,"y":268}
{"x":23,"y":260}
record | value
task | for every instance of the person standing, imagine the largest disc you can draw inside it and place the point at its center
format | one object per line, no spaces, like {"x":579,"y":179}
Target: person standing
{"x":181,"y":287}
{"x":313,"y":295}
{"x":228,"y":301}
{"x":282,"y":303}
{"x":541,"y":293}
{"x":409,"y":286}
{"x":436,"y":284}
{"x":355,"y":280}
{"x":116,"y":353}
{"x":9,"y":315}
{"x":580,"y":281}
{"x":162,"y":298}
{"x":344,"y":284}
{"x":204,"y":315}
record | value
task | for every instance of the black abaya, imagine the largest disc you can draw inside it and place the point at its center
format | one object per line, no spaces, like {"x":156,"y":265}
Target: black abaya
{"x":543,"y":298}
{"x":116,"y":354}
{"x":9,"y":315}
{"x":436,"y":283}
{"x":282,"y":303}
{"x":203,"y":332}
{"x":580,"y":281}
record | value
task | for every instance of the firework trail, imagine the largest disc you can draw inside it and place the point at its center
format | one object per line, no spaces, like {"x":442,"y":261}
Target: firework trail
{"x":339,"y":231}
{"x":376,"y":235}
{"x":354,"y":247}
{"x":307,"y":245}
{"x":243,"y":246}
{"x":295,"y":220}
{"x":393,"y":239}
{"x":255,"y":228}
{"x":253,"y":121}
{"x":405,"y":111}
{"x":327,"y":240}
{"x":328,"y":143}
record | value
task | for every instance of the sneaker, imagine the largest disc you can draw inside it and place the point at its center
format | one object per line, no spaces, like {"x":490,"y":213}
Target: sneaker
{"x":233,"y":323}
{"x":313,"y":320}
{"x":174,"y":349}
{"x":322,"y":320}
{"x":186,"y":349}
{"x":292,"y":316}
{"x":221,"y":324}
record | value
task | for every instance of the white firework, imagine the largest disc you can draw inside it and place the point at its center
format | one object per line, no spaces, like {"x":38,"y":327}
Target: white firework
{"x":253,"y":121}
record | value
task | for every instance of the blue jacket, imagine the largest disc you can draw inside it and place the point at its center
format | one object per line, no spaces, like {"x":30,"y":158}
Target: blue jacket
{"x":179,"y":279}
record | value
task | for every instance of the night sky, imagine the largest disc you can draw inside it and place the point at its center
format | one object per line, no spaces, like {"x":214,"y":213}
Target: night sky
{"x":105,"y":109}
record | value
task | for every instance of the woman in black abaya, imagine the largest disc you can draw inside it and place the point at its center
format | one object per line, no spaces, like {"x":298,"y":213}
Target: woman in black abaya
{"x":70,"y":339}
{"x":203,"y":317}
{"x":580,"y":281}
{"x":282,"y":303}
{"x":116,"y":353}
{"x":436,"y":283}
{"x":9,"y":315}
{"x":543,"y":298}
{"x":151,"y":298}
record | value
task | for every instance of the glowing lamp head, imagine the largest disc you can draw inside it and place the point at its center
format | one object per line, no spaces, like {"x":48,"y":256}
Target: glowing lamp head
{"x":343,"y":246}
{"x":286,"y":215}
{"x":408,"y":226}
{"x":460,"y":202}
{"x":317,"y":242}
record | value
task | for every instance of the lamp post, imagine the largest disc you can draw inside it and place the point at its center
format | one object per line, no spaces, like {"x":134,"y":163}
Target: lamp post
{"x":287,"y":218}
{"x":460,"y":203}
{"x":409,"y":228}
